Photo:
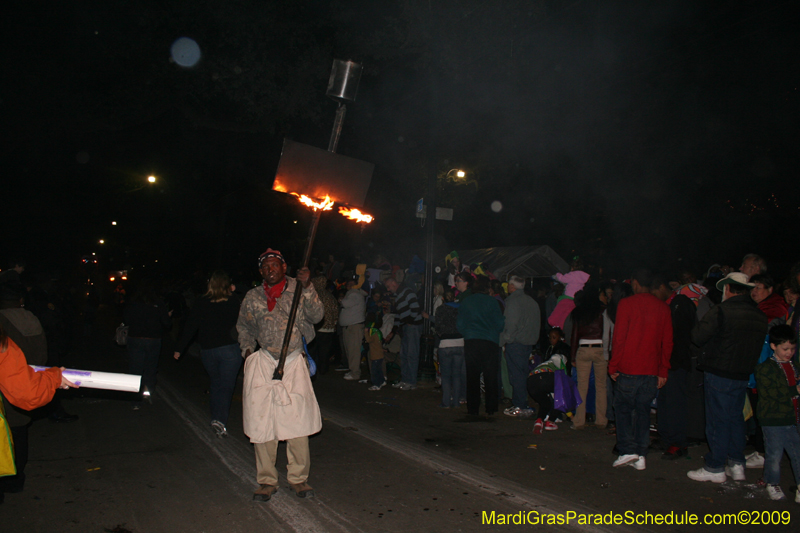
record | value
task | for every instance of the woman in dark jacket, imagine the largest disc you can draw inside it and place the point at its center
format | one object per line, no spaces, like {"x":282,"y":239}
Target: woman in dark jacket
{"x":587,"y":353}
{"x":147,"y":317}
{"x":213,"y":320}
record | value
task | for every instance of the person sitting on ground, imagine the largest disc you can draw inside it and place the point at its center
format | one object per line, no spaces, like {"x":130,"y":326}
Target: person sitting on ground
{"x":556,"y":345}
{"x":374,"y":338}
{"x":541,"y":387}
{"x":779,"y":409}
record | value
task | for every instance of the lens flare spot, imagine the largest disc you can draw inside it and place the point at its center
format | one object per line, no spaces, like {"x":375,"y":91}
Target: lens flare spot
{"x":185,"y":52}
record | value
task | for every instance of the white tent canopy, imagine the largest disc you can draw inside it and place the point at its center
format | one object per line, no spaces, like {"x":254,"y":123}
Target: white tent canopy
{"x":524,"y":261}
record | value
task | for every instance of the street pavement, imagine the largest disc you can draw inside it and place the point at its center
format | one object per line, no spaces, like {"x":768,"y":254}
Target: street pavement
{"x":385,"y":461}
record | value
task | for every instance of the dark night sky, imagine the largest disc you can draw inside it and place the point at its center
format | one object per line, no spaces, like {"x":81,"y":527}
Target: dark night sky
{"x":628,"y":132}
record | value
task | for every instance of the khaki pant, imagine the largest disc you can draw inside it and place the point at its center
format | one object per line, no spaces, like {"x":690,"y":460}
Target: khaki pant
{"x":585,"y":359}
{"x":353,"y":336}
{"x":297,"y":456}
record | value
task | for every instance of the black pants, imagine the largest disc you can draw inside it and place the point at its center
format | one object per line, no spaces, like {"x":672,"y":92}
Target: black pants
{"x":673,"y":405}
{"x":540,"y":387}
{"x":320,"y":349}
{"x":481,"y":358}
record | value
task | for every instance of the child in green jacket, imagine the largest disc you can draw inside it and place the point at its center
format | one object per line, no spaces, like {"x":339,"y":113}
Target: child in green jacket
{"x":778,"y":409}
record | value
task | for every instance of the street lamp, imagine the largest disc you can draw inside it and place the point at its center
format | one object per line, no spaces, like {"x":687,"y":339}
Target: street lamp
{"x":151,"y":179}
{"x":459,"y":173}
{"x":427,"y":359}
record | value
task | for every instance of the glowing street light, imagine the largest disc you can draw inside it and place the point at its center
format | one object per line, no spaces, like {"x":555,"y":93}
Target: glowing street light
{"x":101,"y":241}
{"x":113,"y":222}
{"x":458,"y":172}
{"x":151,"y":179}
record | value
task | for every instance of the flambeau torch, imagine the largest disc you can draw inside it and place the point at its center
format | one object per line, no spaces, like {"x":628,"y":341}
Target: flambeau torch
{"x":318,"y":178}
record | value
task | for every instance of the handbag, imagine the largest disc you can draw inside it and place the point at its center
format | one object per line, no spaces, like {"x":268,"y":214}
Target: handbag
{"x":312,"y":365}
{"x":7,"y":466}
{"x":566,"y":397}
{"x":121,"y":336}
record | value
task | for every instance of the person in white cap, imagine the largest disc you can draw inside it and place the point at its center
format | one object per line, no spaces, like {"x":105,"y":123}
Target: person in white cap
{"x":731,"y":335}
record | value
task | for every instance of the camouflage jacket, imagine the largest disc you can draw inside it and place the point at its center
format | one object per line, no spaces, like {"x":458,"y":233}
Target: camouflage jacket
{"x":257,"y":323}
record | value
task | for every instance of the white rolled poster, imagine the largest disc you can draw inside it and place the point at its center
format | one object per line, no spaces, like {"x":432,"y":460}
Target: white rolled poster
{"x":99,"y":380}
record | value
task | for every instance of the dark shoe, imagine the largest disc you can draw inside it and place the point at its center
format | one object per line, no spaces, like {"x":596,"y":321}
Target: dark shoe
{"x":590,"y":418}
{"x":63,"y":417}
{"x":303,"y":490}
{"x":656,"y":444}
{"x":264,"y":493}
{"x":611,"y":425}
{"x":674,"y":452}
{"x":469,"y":418}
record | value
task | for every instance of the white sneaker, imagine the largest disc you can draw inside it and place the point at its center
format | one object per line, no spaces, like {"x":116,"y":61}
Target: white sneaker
{"x":736,"y":472}
{"x":377,"y":387}
{"x":754,"y":460}
{"x":776,"y":493}
{"x":350,"y":377}
{"x":797,"y":496}
{"x":701,"y":474}
{"x":408,"y":386}
{"x":512,"y":411}
{"x":626,"y":459}
{"x":525,"y":413}
{"x":219,"y":429}
{"x":399,"y":384}
{"x":639,"y":464}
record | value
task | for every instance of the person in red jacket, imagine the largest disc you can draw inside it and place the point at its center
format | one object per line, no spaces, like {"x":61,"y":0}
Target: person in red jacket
{"x":642,"y":346}
{"x":769,"y":302}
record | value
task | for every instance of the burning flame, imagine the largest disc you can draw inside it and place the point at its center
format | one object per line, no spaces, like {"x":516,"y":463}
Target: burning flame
{"x":325,"y":204}
{"x":355,"y":214}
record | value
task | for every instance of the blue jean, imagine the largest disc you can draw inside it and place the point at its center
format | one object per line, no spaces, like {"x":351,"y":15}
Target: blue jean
{"x":222,"y":365}
{"x":376,"y":372}
{"x":143,"y":357}
{"x":451,"y":365}
{"x":409,"y":353}
{"x":776,"y":440}
{"x":725,"y":427}
{"x":517,"y":356}
{"x":632,"y":400}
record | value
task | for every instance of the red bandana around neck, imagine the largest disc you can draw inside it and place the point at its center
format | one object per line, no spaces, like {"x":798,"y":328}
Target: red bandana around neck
{"x":273,"y":293}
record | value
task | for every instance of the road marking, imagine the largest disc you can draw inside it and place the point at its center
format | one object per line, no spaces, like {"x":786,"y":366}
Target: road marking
{"x":515,"y":494}
{"x":238,"y":457}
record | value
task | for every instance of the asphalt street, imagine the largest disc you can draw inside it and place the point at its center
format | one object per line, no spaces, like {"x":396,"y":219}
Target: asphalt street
{"x":384,"y":461}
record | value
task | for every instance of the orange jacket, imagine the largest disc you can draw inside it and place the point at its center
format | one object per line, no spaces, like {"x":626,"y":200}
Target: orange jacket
{"x":21,"y":385}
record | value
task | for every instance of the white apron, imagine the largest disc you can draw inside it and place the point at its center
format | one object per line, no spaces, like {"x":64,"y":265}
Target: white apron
{"x":278,"y":409}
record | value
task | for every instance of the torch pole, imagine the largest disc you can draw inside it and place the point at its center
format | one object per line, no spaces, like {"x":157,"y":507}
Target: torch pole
{"x":339,"y":87}
{"x":298,"y":290}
